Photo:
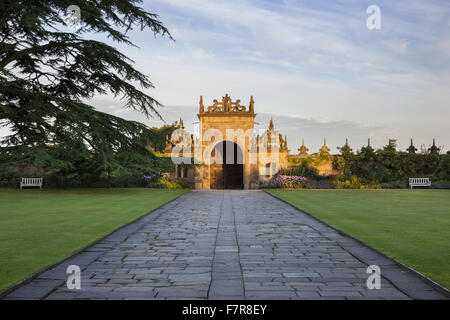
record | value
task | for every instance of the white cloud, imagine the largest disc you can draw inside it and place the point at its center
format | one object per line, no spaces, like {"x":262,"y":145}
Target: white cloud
{"x":399,"y":46}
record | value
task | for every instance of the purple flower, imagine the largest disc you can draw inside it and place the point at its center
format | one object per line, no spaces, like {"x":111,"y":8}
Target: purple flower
{"x":281,"y":181}
{"x":150,"y":177}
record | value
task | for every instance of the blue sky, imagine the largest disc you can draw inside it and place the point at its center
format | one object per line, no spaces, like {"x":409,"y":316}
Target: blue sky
{"x":311,"y":65}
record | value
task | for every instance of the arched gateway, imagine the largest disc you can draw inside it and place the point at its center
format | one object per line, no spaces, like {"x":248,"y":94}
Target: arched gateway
{"x":229,"y":172}
{"x":231,"y":155}
{"x":231,"y":125}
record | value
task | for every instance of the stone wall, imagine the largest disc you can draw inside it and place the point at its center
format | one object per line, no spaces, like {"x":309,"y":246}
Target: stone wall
{"x":323,"y":164}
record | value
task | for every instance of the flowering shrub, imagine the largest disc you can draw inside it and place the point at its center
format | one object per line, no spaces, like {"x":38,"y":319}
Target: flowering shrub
{"x":281,"y":181}
{"x":343,"y":182}
{"x":352,"y":182}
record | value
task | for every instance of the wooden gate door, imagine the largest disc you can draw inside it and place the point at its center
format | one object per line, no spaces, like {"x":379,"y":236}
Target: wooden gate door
{"x":216,"y":176}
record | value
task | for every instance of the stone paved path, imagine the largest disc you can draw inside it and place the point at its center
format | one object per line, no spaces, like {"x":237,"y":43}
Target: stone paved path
{"x":227,"y":245}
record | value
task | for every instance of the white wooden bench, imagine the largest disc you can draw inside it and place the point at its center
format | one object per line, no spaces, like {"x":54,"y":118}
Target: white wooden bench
{"x":419,"y":182}
{"x":31,"y":182}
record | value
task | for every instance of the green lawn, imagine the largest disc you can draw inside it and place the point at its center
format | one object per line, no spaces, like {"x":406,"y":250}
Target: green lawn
{"x":410,"y":226}
{"x":40,"y":227}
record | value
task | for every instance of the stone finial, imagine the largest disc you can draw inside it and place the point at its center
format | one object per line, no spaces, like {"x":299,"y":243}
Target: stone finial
{"x":346,"y":141}
{"x":180,"y":124}
{"x":325,"y":148}
{"x":251,"y":107}
{"x":202,"y":107}
{"x":284,"y":145}
{"x":271,"y":124}
{"x":369,"y":147}
{"x":434,"y":149}
{"x":411,"y":148}
{"x":303,"y":149}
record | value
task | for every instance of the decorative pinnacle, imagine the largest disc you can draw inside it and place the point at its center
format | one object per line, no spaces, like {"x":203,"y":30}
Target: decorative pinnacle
{"x":202,"y":107}
{"x":271,"y":124}
{"x":324,"y":147}
{"x":411,"y":148}
{"x":303,"y":149}
{"x":251,"y":108}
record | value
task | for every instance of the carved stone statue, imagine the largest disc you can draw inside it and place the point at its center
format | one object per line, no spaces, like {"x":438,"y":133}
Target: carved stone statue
{"x":227,"y":105}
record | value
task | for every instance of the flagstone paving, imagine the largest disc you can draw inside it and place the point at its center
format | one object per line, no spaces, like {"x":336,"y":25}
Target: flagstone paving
{"x":227,"y":245}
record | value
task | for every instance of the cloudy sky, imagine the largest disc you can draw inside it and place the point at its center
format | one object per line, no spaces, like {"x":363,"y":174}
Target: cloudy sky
{"x":313,"y":66}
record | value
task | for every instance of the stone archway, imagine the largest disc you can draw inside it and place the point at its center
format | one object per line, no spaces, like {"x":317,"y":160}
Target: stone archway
{"x":230,"y":173}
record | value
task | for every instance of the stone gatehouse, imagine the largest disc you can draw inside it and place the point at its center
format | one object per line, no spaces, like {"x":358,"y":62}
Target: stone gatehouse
{"x":228,"y":151}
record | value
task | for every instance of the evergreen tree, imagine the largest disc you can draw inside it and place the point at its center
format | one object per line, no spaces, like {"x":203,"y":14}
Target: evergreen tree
{"x":346,"y":160}
{"x":388,"y":156}
{"x":47,"y":75}
{"x":366,"y":153}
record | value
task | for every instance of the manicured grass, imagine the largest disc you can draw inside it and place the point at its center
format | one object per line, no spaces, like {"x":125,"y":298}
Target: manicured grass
{"x":40,"y":227}
{"x":411,"y":226}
